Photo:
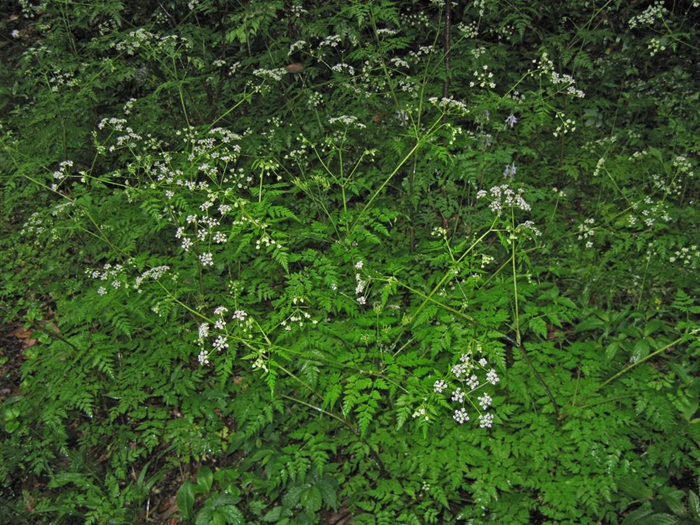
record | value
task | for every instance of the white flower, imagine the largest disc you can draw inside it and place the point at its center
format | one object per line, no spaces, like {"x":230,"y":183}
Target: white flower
{"x":458,"y":395}
{"x":220,"y":343}
{"x":486,"y":420}
{"x":239,"y":315}
{"x":461,"y":416}
{"x":473,"y":382}
{"x":439,"y":386}
{"x":485,"y":401}
{"x":207,"y":259}
{"x":459,"y":371}
{"x":492,"y":377}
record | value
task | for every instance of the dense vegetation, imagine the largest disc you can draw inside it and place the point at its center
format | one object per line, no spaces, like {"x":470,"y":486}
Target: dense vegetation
{"x":329,"y":262}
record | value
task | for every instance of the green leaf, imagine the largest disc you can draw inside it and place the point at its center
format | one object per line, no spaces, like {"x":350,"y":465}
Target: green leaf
{"x":205,"y":479}
{"x":311,"y":499}
{"x":231,"y":515}
{"x":639,"y":516}
{"x":185,"y":499}
{"x":674,"y":500}
{"x":538,"y":326}
{"x":636,"y":488}
{"x":277,"y":513}
{"x":205,"y":517}
{"x":327,"y":486}
{"x":293,"y":496}
{"x":694,"y":504}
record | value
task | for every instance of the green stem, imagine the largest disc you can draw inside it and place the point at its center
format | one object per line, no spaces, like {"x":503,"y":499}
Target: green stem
{"x":640,"y":361}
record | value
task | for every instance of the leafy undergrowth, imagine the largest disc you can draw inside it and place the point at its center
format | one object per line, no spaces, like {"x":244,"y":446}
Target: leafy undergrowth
{"x":319,"y":263}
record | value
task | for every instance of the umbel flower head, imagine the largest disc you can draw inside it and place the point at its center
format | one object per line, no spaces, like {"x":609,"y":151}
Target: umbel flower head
{"x":466,"y":374}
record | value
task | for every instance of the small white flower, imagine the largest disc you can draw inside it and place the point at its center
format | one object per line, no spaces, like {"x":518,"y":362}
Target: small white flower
{"x":459,"y":371}
{"x":439,"y":386}
{"x":492,"y":377}
{"x":485,"y":401}
{"x":220,"y":343}
{"x":207,"y":259}
{"x":461,"y":416}
{"x":486,"y":420}
{"x":239,"y":315}
{"x":458,"y":395}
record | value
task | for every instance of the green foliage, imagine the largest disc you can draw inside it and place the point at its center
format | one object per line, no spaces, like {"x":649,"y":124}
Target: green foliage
{"x":290,"y":262}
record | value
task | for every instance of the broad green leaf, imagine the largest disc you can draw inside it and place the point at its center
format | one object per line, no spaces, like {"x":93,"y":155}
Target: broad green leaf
{"x":205,"y":479}
{"x":185,"y":499}
{"x":311,"y":499}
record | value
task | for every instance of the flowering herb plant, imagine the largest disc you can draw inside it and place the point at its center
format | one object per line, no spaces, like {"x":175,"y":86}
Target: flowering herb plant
{"x":404,"y":262}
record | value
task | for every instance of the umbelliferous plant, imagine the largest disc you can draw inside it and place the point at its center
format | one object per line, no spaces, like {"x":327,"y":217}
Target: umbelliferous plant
{"x":400,"y":261}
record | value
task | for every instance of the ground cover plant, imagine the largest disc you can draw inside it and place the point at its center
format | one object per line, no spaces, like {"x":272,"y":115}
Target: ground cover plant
{"x":349,"y":262}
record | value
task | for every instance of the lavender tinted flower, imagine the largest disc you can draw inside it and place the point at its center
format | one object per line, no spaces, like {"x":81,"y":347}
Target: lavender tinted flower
{"x":511,"y":120}
{"x":510,"y":171}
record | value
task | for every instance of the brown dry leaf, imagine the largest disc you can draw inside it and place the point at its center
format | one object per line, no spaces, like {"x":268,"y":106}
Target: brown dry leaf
{"x":22,"y":333}
{"x":294,"y":68}
{"x":169,"y":507}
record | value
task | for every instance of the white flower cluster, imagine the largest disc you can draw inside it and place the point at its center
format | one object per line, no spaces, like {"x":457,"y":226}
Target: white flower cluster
{"x":360,"y":285}
{"x":683,"y":165}
{"x":343,"y":67}
{"x":545,"y":67}
{"x":586,"y":232}
{"x":450,"y":104}
{"x":470,"y":30}
{"x":296,"y":46}
{"x":483,"y":78}
{"x":529,"y":225}
{"x":465,"y":372}
{"x":504,"y":197}
{"x":60,"y":174}
{"x":34,"y":225}
{"x":271,"y":74}
{"x":567,"y":126}
{"x":61,"y":78}
{"x":135,"y":40}
{"x":330,"y":41}
{"x":347,"y":120}
{"x":221,"y":338}
{"x":299,"y":317}
{"x":117,"y":276}
{"x":686,"y":255}
{"x":649,"y":16}
{"x":152,"y":274}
